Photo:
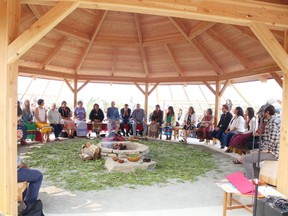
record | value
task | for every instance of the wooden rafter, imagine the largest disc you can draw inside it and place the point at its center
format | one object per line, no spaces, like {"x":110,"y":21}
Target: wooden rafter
{"x":153,"y":88}
{"x":199,"y":29}
{"x":196,"y":45}
{"x":278,"y":79}
{"x":240,"y":12}
{"x":69,"y":85}
{"x":173,"y":59}
{"x":209,"y":87}
{"x":97,"y":28}
{"x":39,"y":29}
{"x":139,"y":87}
{"x":246,"y":31}
{"x":140,"y":40}
{"x":250,"y":72}
{"x":245,"y":62}
{"x":57,"y":48}
{"x":226,"y":84}
{"x":271,"y":44}
{"x":82,"y":86}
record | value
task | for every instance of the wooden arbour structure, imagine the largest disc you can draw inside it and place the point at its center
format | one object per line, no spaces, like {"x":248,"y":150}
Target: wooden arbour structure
{"x":141,"y":42}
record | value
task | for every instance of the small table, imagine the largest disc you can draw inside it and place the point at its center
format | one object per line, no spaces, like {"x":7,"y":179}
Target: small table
{"x":230,"y":190}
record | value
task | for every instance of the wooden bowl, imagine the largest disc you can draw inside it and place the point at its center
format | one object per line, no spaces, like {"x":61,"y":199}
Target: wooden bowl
{"x":133,"y":158}
{"x":120,"y":161}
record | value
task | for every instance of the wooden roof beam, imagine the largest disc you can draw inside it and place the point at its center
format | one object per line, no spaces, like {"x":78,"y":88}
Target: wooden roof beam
{"x":277,"y":78}
{"x":140,"y":40}
{"x":69,"y":85}
{"x":196,"y":45}
{"x":200,"y":28}
{"x":139,"y":87}
{"x":39,"y":29}
{"x":240,"y":58}
{"x":271,"y":44}
{"x":209,"y":87}
{"x":82,"y":86}
{"x":173,"y":59}
{"x":226,"y":84}
{"x":240,"y":12}
{"x":57,"y":48}
{"x":153,"y":88}
{"x":97,"y":28}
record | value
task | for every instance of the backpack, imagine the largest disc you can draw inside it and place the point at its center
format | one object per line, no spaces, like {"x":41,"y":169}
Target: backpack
{"x":31,"y":209}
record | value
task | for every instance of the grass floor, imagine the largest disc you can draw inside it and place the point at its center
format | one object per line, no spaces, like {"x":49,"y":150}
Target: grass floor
{"x":64,"y":168}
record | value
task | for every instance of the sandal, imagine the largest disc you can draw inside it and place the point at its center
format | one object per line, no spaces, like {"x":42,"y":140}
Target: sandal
{"x":236,"y":161}
{"x":228,"y":150}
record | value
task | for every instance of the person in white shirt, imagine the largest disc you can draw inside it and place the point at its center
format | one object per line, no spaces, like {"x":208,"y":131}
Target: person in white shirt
{"x":55,"y":120}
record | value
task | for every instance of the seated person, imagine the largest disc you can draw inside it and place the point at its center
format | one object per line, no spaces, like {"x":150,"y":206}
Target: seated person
{"x":113,"y":118}
{"x":189,"y":123}
{"x":41,"y":121}
{"x":139,"y":117}
{"x":20,"y":125}
{"x":54,"y":119}
{"x":27,"y":120}
{"x":125,"y":115}
{"x":270,"y":145}
{"x":222,"y":124}
{"x":96,"y":117}
{"x":235,"y":126}
{"x":206,"y":125}
{"x":32,"y":176}
{"x":169,"y":122}
{"x":66,"y":116}
{"x":251,"y":124}
{"x":80,"y":119}
{"x":156,"y":121}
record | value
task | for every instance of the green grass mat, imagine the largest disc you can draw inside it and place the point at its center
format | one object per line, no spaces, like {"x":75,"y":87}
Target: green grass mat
{"x":63,"y":167}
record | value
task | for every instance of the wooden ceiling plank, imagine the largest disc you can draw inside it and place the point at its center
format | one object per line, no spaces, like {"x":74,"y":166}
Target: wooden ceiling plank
{"x":226,"y":84}
{"x":82,"y":86}
{"x":271,"y":44}
{"x":196,"y":45}
{"x":154,"y":87}
{"x":139,"y":87}
{"x":114,"y":60}
{"x":200,"y":28}
{"x":209,"y":87}
{"x":245,"y":62}
{"x":173,"y":59}
{"x":97,"y":28}
{"x":286,"y":41}
{"x":201,"y":49}
{"x":239,"y":12}
{"x":39,"y":29}
{"x":277,"y":78}
{"x":57,"y":48}
{"x":138,"y":28}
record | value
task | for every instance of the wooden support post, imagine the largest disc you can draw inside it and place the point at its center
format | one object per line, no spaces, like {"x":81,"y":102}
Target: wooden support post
{"x":75,"y":92}
{"x":217,"y":102}
{"x":9,"y":23}
{"x":282,"y":177}
{"x":146,"y":101}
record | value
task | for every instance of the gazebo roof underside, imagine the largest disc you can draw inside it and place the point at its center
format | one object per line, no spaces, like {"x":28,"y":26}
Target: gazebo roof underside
{"x":126,"y":47}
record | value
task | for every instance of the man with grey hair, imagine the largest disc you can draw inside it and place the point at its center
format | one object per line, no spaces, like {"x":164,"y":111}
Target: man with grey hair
{"x":54,"y":119}
{"x":139,"y":117}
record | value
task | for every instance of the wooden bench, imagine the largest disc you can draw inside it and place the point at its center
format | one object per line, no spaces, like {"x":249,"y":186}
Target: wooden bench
{"x":176,"y":130}
{"x":21,"y":188}
{"x":269,"y":172}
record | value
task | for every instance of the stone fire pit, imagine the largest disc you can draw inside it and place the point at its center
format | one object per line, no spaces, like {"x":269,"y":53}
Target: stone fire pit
{"x":131,"y":148}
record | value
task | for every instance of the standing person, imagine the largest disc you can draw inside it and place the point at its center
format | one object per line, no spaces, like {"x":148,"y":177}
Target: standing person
{"x":27,"y":120}
{"x":269,"y":149}
{"x":96,"y":117}
{"x":235,"y":126}
{"x":80,"y":119}
{"x":222,"y":124}
{"x":169,"y":122}
{"x":113,"y":118}
{"x":66,"y":116}
{"x":251,"y":125}
{"x":54,"y":119}
{"x":139,"y":117}
{"x":41,"y":121}
{"x":206,"y":125}
{"x":156,"y":121}
{"x":125,"y":115}
{"x":189,"y":123}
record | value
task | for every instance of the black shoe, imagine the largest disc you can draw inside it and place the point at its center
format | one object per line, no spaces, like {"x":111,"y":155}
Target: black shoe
{"x":222,"y":147}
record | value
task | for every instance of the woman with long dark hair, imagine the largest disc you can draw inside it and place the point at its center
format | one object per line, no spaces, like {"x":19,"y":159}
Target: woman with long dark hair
{"x":169,"y":122}
{"x":206,"y":125}
{"x":189,"y":123}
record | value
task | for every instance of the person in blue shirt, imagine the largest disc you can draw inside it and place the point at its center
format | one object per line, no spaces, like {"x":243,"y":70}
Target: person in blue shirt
{"x":113,"y":118}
